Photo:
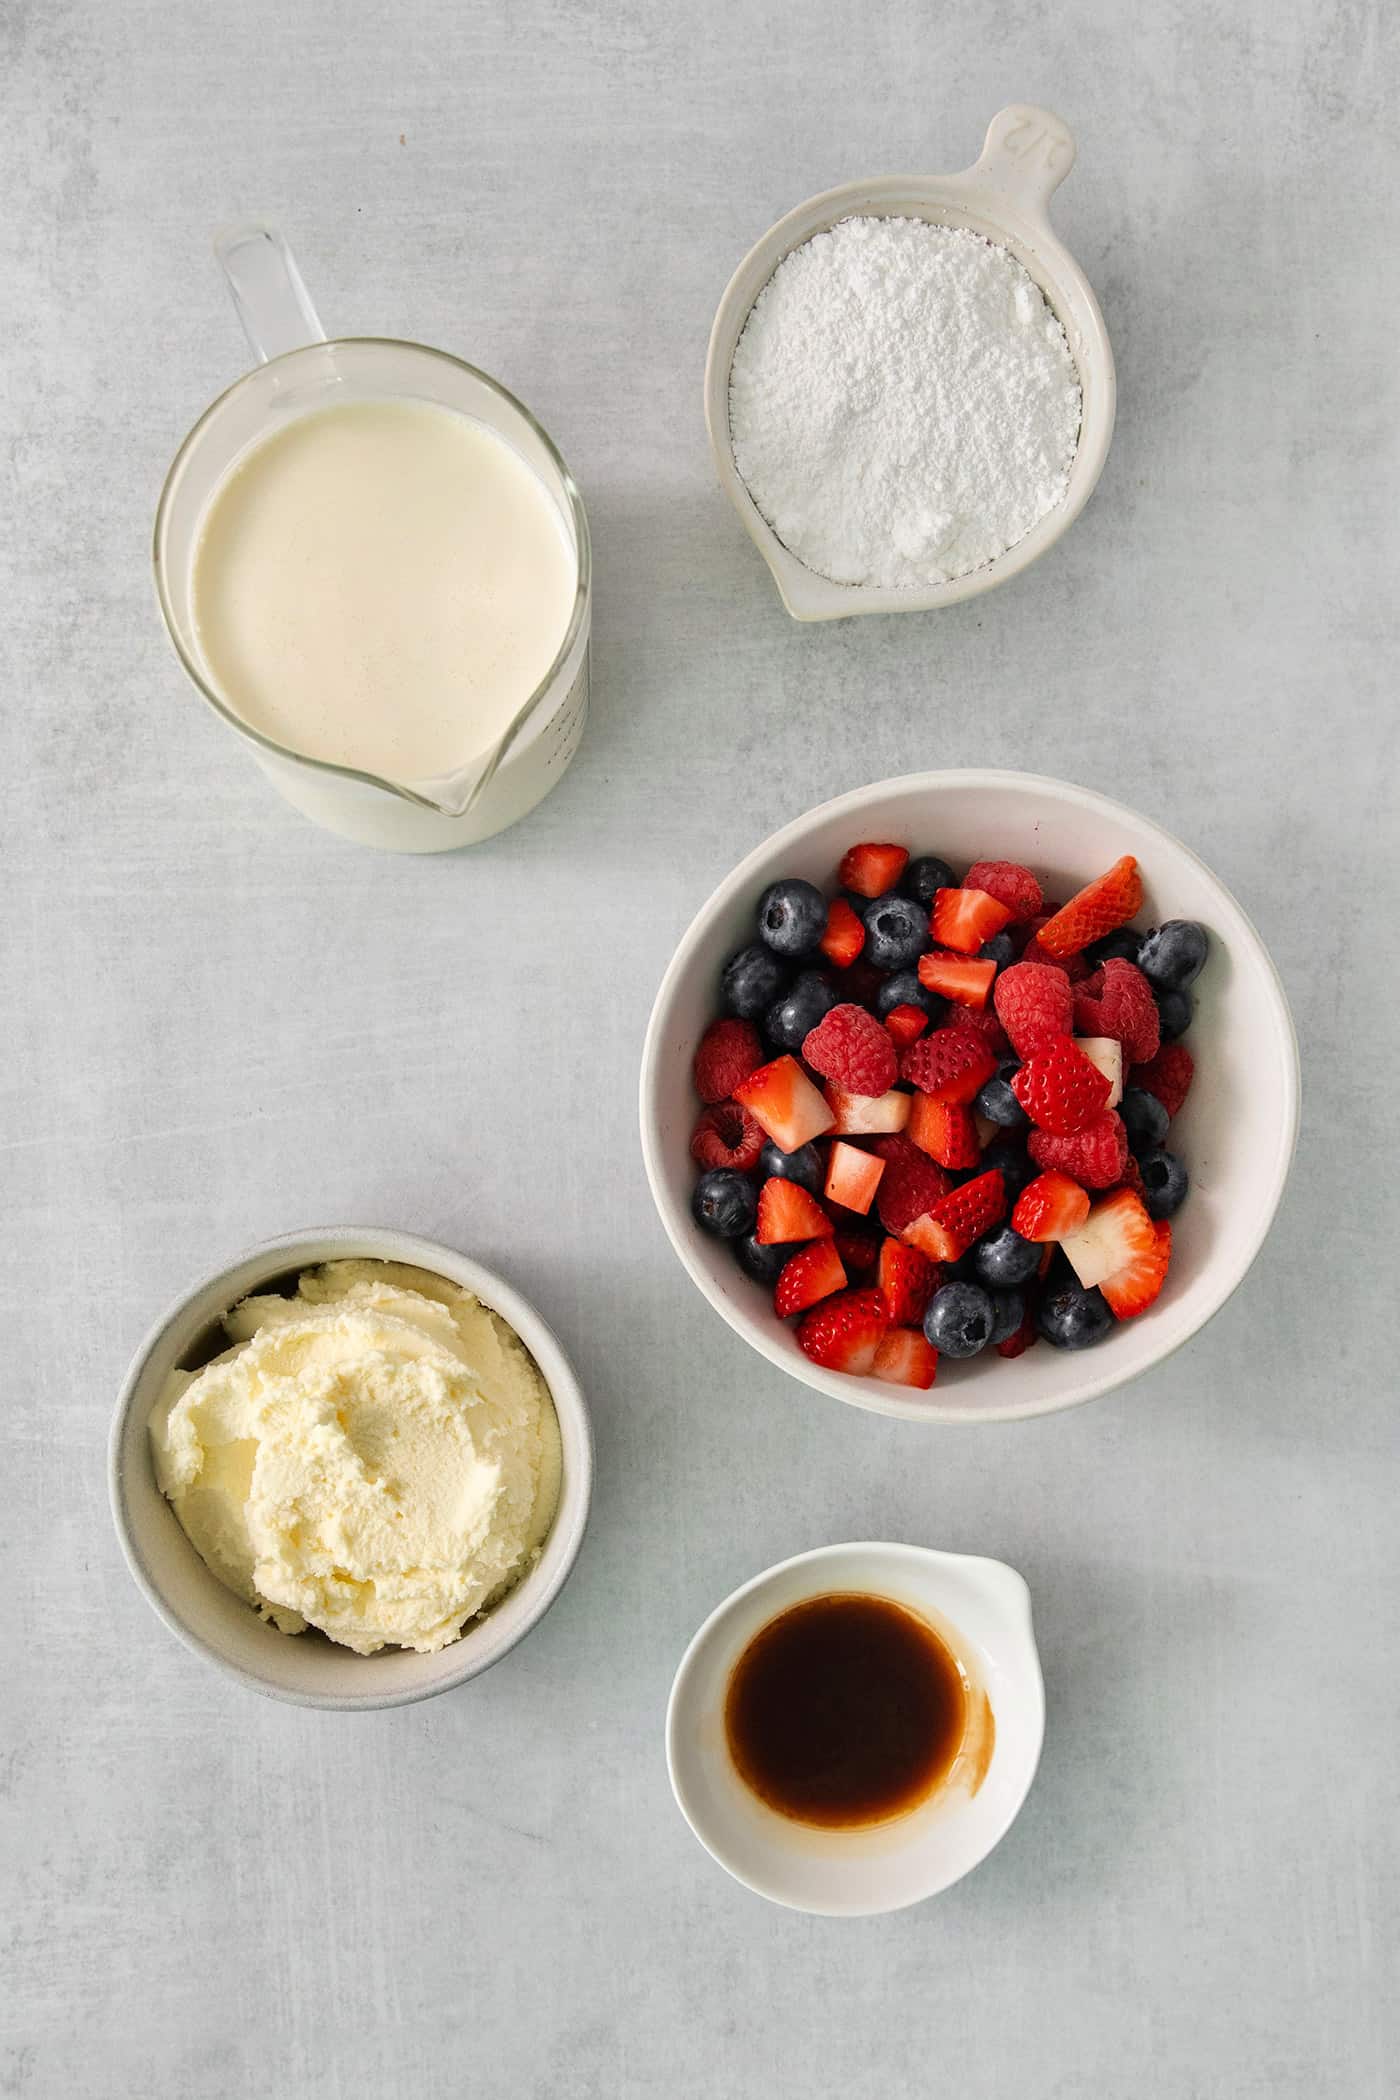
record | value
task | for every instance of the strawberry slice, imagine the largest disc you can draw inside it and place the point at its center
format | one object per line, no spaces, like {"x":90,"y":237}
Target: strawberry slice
{"x":945,"y":1130}
{"x":867,"y":1115}
{"x":906,"y":1358}
{"x":852,"y":1177}
{"x":1131,"y":1289}
{"x":844,"y":1333}
{"x":951,"y":1064}
{"x":870,"y":870}
{"x":964,"y":918}
{"x":1011,"y":884}
{"x":945,"y":1232}
{"x":787,"y":1211}
{"x":905,"y":1024}
{"x":1060,"y":1088}
{"x":961,"y":978}
{"x":814,"y":1272}
{"x":783,"y":1099}
{"x":1118,"y":1244}
{"x":1101,"y":906}
{"x":845,"y":934}
{"x":907,"y":1280}
{"x":912,"y":1183}
{"x":1049,"y":1207}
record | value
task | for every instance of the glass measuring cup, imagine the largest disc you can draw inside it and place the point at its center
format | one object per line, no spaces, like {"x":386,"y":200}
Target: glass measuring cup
{"x":299,"y":370}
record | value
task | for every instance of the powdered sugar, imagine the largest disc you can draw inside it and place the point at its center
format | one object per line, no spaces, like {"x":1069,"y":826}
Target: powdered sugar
{"x":903,"y":404}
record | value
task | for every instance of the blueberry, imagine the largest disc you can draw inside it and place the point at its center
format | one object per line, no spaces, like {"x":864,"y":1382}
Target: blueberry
{"x":1017,"y":1168}
{"x":1174,"y":1010}
{"x":1000,"y":949}
{"x":1164,"y":1183}
{"x":1144,"y":1118}
{"x":803,"y":1166}
{"x":1173,"y":954}
{"x":764,"y":1264}
{"x":752,"y":980}
{"x":1008,"y":1309}
{"x":960,"y":1319}
{"x":896,"y":932}
{"x":725,"y":1202}
{"x":924,"y":877}
{"x":792,"y":917}
{"x":997,"y":1102}
{"x":1073,"y":1318}
{"x":905,"y":989}
{"x":1003,"y":1259}
{"x":791,"y":1019}
{"x":1123,"y":944}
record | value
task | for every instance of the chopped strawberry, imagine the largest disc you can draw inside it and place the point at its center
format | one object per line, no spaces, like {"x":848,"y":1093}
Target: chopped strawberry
{"x":1107,"y":1054}
{"x":1121,"y":1250}
{"x":1095,"y":1156}
{"x":844,"y":1333}
{"x":1073,"y":967}
{"x":727,"y":1136}
{"x":729,"y":1050}
{"x":858,"y":1248}
{"x":867,"y":1115}
{"x":814,"y":1272}
{"x":1033,"y":1000}
{"x":945,"y":1232}
{"x":912,"y":1183}
{"x":1099,"y":908}
{"x":1011,"y":885}
{"x":1117,"y":1001}
{"x":1049,"y":1207}
{"x":961,"y":978}
{"x":870,"y":870}
{"x":905,"y":1024}
{"x":783,"y":1099}
{"x":852,"y":1177}
{"x":963,"y":919}
{"x":1168,"y":1075}
{"x":1132,"y":1289}
{"x":851,"y":1048}
{"x":904,"y":1357}
{"x":907,"y":1280}
{"x":945,"y":1130}
{"x":1024,"y":1338}
{"x":1059,"y":1088}
{"x":787,"y":1211}
{"x":845,"y":934}
{"x":951,"y":1064}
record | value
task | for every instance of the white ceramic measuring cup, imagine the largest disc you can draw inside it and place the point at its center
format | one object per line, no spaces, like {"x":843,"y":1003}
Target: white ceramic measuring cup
{"x":1004,"y":196}
{"x":299,"y":371}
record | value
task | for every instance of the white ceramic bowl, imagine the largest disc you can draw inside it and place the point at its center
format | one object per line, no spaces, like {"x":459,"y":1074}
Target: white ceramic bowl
{"x":306,"y":1669}
{"x":1027,"y":154}
{"x":982,"y":1610}
{"x":1236,"y":1131}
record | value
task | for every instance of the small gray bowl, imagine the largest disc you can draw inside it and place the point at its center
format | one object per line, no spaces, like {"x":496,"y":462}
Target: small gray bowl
{"x":306,"y":1669}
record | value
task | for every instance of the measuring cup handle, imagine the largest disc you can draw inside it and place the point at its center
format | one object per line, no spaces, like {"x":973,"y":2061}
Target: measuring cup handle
{"x":272,"y":302}
{"x":1026,"y":154}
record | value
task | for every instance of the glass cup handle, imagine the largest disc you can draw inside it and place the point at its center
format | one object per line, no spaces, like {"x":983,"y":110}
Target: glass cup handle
{"x":272,"y":301}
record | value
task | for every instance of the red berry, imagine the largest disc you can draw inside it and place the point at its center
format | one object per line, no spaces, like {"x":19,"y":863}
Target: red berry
{"x":845,"y":934}
{"x":1099,"y":908}
{"x":1011,"y":885}
{"x":726,"y":1136}
{"x":870,"y":870}
{"x":1024,"y":1338}
{"x":1117,"y":1000}
{"x":729,"y":1050}
{"x":907,"y":1280}
{"x":1049,"y":1207}
{"x":963,"y":919}
{"x":852,"y":1177}
{"x":857,"y":1248}
{"x":787,"y":1211}
{"x":958,"y":1219}
{"x":844,"y":1333}
{"x":986,"y":1025}
{"x":906,"y":1357}
{"x":945,"y":1130}
{"x":851,"y":1047}
{"x":905,"y":1024}
{"x":911,"y":1183}
{"x":1168,"y":1075}
{"x":962,"y":978}
{"x":1059,"y":1088}
{"x":951,"y":1064}
{"x":814,"y":1272}
{"x":1095,"y":1156}
{"x":1033,"y":1001}
{"x":783,"y":1099}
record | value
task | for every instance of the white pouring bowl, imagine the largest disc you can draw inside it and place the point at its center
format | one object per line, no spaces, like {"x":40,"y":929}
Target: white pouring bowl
{"x":1236,"y":1132}
{"x":982,"y":1610}
{"x":1004,"y":196}
{"x":307,"y":1669}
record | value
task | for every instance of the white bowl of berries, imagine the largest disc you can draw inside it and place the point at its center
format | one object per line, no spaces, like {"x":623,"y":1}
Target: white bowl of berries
{"x":969,"y":1096}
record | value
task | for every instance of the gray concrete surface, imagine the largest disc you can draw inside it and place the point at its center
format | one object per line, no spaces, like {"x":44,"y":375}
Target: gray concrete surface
{"x":218,"y":1023}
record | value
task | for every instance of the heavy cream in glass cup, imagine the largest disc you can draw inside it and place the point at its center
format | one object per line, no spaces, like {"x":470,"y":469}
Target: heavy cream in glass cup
{"x":375,"y":566}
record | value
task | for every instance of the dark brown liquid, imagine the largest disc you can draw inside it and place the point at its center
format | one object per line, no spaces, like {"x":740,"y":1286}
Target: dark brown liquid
{"x":845,"y":1710}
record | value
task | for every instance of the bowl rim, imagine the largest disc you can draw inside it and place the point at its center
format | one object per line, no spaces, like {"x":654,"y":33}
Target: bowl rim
{"x":1030,"y":1681}
{"x":375,"y":1243}
{"x":926,"y":1407}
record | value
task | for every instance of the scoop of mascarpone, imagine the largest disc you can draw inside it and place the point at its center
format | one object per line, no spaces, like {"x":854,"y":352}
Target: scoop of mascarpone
{"x":377,"y":1456}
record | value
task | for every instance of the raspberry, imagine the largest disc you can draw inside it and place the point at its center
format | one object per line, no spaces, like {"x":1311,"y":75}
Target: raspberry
{"x":1117,"y":1000}
{"x":1033,"y":1000}
{"x":1168,"y":1075}
{"x":853,"y":1049}
{"x":951,"y":1064}
{"x":988,"y":1027}
{"x":1074,"y":966}
{"x":1096,"y":1157}
{"x":858,"y":1250}
{"x":726,"y":1136}
{"x":1059,"y":1088}
{"x":910,"y":1184}
{"x":1011,"y":885}
{"x":729,"y":1051}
